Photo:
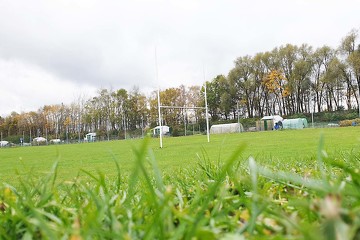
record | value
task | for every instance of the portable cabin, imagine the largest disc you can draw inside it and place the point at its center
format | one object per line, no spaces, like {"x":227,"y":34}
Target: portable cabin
{"x":268,"y":123}
{"x":90,"y":137}
{"x":165,"y":130}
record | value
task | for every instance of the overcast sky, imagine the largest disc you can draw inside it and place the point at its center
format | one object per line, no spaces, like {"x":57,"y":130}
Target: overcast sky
{"x":53,"y":51}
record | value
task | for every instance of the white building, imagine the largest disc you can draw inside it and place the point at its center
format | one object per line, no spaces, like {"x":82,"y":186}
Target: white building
{"x":90,"y":137}
{"x":164,"y":130}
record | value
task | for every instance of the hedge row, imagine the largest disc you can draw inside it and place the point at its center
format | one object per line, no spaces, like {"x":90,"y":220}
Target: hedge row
{"x":349,"y":122}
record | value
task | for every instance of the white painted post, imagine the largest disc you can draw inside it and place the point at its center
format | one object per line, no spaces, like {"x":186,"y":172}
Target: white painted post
{"x":124,"y":119}
{"x":159,"y":106}
{"x":185,"y":119}
{"x":238,"y":116}
{"x":207,"y":117}
{"x":312,"y":119}
{"x":161,"y":145}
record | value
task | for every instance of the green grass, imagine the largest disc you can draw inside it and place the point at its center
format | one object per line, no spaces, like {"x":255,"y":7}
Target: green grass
{"x":279,"y":148}
{"x":301,"y":184}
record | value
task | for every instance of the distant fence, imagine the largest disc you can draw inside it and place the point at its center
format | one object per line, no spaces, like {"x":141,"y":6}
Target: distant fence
{"x":324,"y":125}
{"x":310,"y":125}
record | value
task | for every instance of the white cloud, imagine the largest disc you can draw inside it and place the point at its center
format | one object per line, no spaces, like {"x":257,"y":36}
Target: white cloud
{"x":93,"y":43}
{"x":26,"y":87}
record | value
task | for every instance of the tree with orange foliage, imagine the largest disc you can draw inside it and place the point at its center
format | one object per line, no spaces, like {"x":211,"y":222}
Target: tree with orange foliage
{"x":276,"y":85}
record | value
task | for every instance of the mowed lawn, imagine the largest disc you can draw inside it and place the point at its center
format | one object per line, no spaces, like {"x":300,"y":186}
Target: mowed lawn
{"x":283,"y":148}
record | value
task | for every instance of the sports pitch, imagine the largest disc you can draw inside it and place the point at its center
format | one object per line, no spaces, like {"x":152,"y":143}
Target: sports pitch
{"x":282,"y":149}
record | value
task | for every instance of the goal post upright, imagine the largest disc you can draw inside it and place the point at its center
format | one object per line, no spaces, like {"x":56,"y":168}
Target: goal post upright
{"x":159,"y":107}
{"x":207,"y":117}
{"x":206,"y":108}
{"x":160,"y":125}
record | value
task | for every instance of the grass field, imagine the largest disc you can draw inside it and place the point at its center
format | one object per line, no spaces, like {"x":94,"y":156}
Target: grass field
{"x":280,"y":147}
{"x":300,"y":184}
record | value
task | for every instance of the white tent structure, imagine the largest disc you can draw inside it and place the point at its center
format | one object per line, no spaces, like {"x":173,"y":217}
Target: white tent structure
{"x":226,"y":128}
{"x":40,"y":141}
{"x":55,"y":141}
{"x":297,"y":123}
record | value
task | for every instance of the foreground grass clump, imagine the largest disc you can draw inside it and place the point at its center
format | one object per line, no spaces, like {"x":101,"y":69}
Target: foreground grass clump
{"x":229,"y":199}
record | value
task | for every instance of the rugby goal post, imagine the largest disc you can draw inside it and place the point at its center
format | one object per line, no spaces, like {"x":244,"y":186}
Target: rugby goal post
{"x":186,"y":108}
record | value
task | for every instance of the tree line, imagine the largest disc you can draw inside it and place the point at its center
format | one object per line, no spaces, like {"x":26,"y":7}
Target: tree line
{"x":287,"y":80}
{"x":290,"y":79}
{"x":120,"y":113}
